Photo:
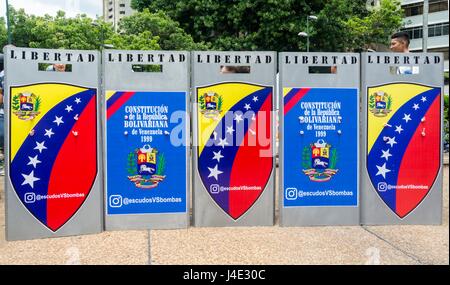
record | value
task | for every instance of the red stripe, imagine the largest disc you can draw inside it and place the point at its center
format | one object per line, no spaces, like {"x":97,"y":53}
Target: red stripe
{"x":421,"y":161}
{"x":75,"y":168}
{"x":119,"y":103}
{"x":295,"y":99}
{"x":253,"y":163}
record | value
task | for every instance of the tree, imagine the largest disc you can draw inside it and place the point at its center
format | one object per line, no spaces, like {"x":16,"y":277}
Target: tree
{"x":57,"y":32}
{"x":353,"y":29}
{"x":275,"y":24}
{"x":168,"y":32}
{"x":3,"y":33}
{"x":141,"y":31}
{"x":80,"y":32}
{"x":142,"y":41}
{"x":21,"y":25}
{"x":140,"y":4}
{"x":238,"y":24}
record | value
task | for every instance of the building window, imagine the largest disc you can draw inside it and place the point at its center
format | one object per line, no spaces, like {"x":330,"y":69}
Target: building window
{"x":413,"y":9}
{"x":434,"y":30}
{"x":438,"y":5}
{"x":417,"y":33}
{"x":122,"y":5}
{"x":438,"y":30}
{"x":417,"y":8}
{"x":122,"y":12}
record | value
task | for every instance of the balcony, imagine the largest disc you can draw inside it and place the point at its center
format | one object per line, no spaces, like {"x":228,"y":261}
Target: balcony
{"x":407,"y":2}
{"x":433,"y":42}
{"x":433,"y":18}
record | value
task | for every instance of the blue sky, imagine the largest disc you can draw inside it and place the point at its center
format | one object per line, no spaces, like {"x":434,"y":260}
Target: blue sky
{"x":41,"y":7}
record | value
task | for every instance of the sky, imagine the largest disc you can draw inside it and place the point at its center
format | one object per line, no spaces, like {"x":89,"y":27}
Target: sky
{"x":42,"y":7}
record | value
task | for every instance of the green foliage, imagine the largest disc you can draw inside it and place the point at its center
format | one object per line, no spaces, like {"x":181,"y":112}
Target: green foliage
{"x":220,"y":103}
{"x":372,"y":101}
{"x":161,"y":165}
{"x":333,"y":158}
{"x":140,"y":41}
{"x":15,"y":103}
{"x":57,"y":32}
{"x":140,"y":31}
{"x":342,"y":25}
{"x":3,"y":32}
{"x":201,"y":101}
{"x":239,"y":24}
{"x":21,"y":26}
{"x":158,"y":25}
{"x":306,"y":157}
{"x":140,"y":4}
{"x":147,"y":68}
{"x":37,"y":104}
{"x":389,"y":102}
{"x":131,"y":164}
{"x":352,"y":28}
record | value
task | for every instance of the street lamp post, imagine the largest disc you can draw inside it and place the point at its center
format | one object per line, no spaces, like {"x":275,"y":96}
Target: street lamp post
{"x":8,"y":23}
{"x":102,"y":37}
{"x":307,"y":33}
{"x":425,"y":26}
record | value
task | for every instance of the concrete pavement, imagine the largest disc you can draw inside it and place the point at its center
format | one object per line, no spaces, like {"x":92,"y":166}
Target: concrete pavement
{"x":255,"y":245}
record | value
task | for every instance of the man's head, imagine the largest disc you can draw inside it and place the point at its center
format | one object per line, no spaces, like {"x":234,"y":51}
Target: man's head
{"x":235,"y":69}
{"x":228,"y":69}
{"x":59,"y":67}
{"x":400,"y":42}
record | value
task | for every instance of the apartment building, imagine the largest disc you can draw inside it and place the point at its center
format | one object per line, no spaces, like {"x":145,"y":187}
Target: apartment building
{"x":115,"y":10}
{"x":438,"y":40}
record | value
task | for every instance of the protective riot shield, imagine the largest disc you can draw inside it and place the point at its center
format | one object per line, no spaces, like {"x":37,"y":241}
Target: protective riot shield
{"x":147,"y":139}
{"x":319,"y":143}
{"x":52,"y":158}
{"x":233,"y":134}
{"x":402,"y":138}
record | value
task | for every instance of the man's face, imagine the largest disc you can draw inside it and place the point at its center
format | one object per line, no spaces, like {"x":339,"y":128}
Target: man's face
{"x":60,"y":67}
{"x":398,"y":45}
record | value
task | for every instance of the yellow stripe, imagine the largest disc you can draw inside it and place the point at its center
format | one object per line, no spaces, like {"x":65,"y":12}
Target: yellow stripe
{"x":109,"y":94}
{"x":401,"y":93}
{"x":231,"y":93}
{"x":286,"y":91}
{"x":51,"y":95}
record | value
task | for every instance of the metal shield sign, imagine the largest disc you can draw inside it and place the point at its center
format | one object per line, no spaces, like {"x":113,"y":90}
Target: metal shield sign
{"x":146,"y":155}
{"x":235,"y":156}
{"x":320,"y":147}
{"x":403,"y":143}
{"x":53,"y":153}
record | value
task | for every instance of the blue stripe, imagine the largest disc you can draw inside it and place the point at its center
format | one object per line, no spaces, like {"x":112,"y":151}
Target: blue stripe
{"x":290,"y":95}
{"x":113,"y":99}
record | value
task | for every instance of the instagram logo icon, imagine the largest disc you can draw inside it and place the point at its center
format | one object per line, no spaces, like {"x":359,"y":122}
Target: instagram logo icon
{"x":291,"y":194}
{"x":30,"y":198}
{"x":382,"y":187}
{"x":214,"y":189}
